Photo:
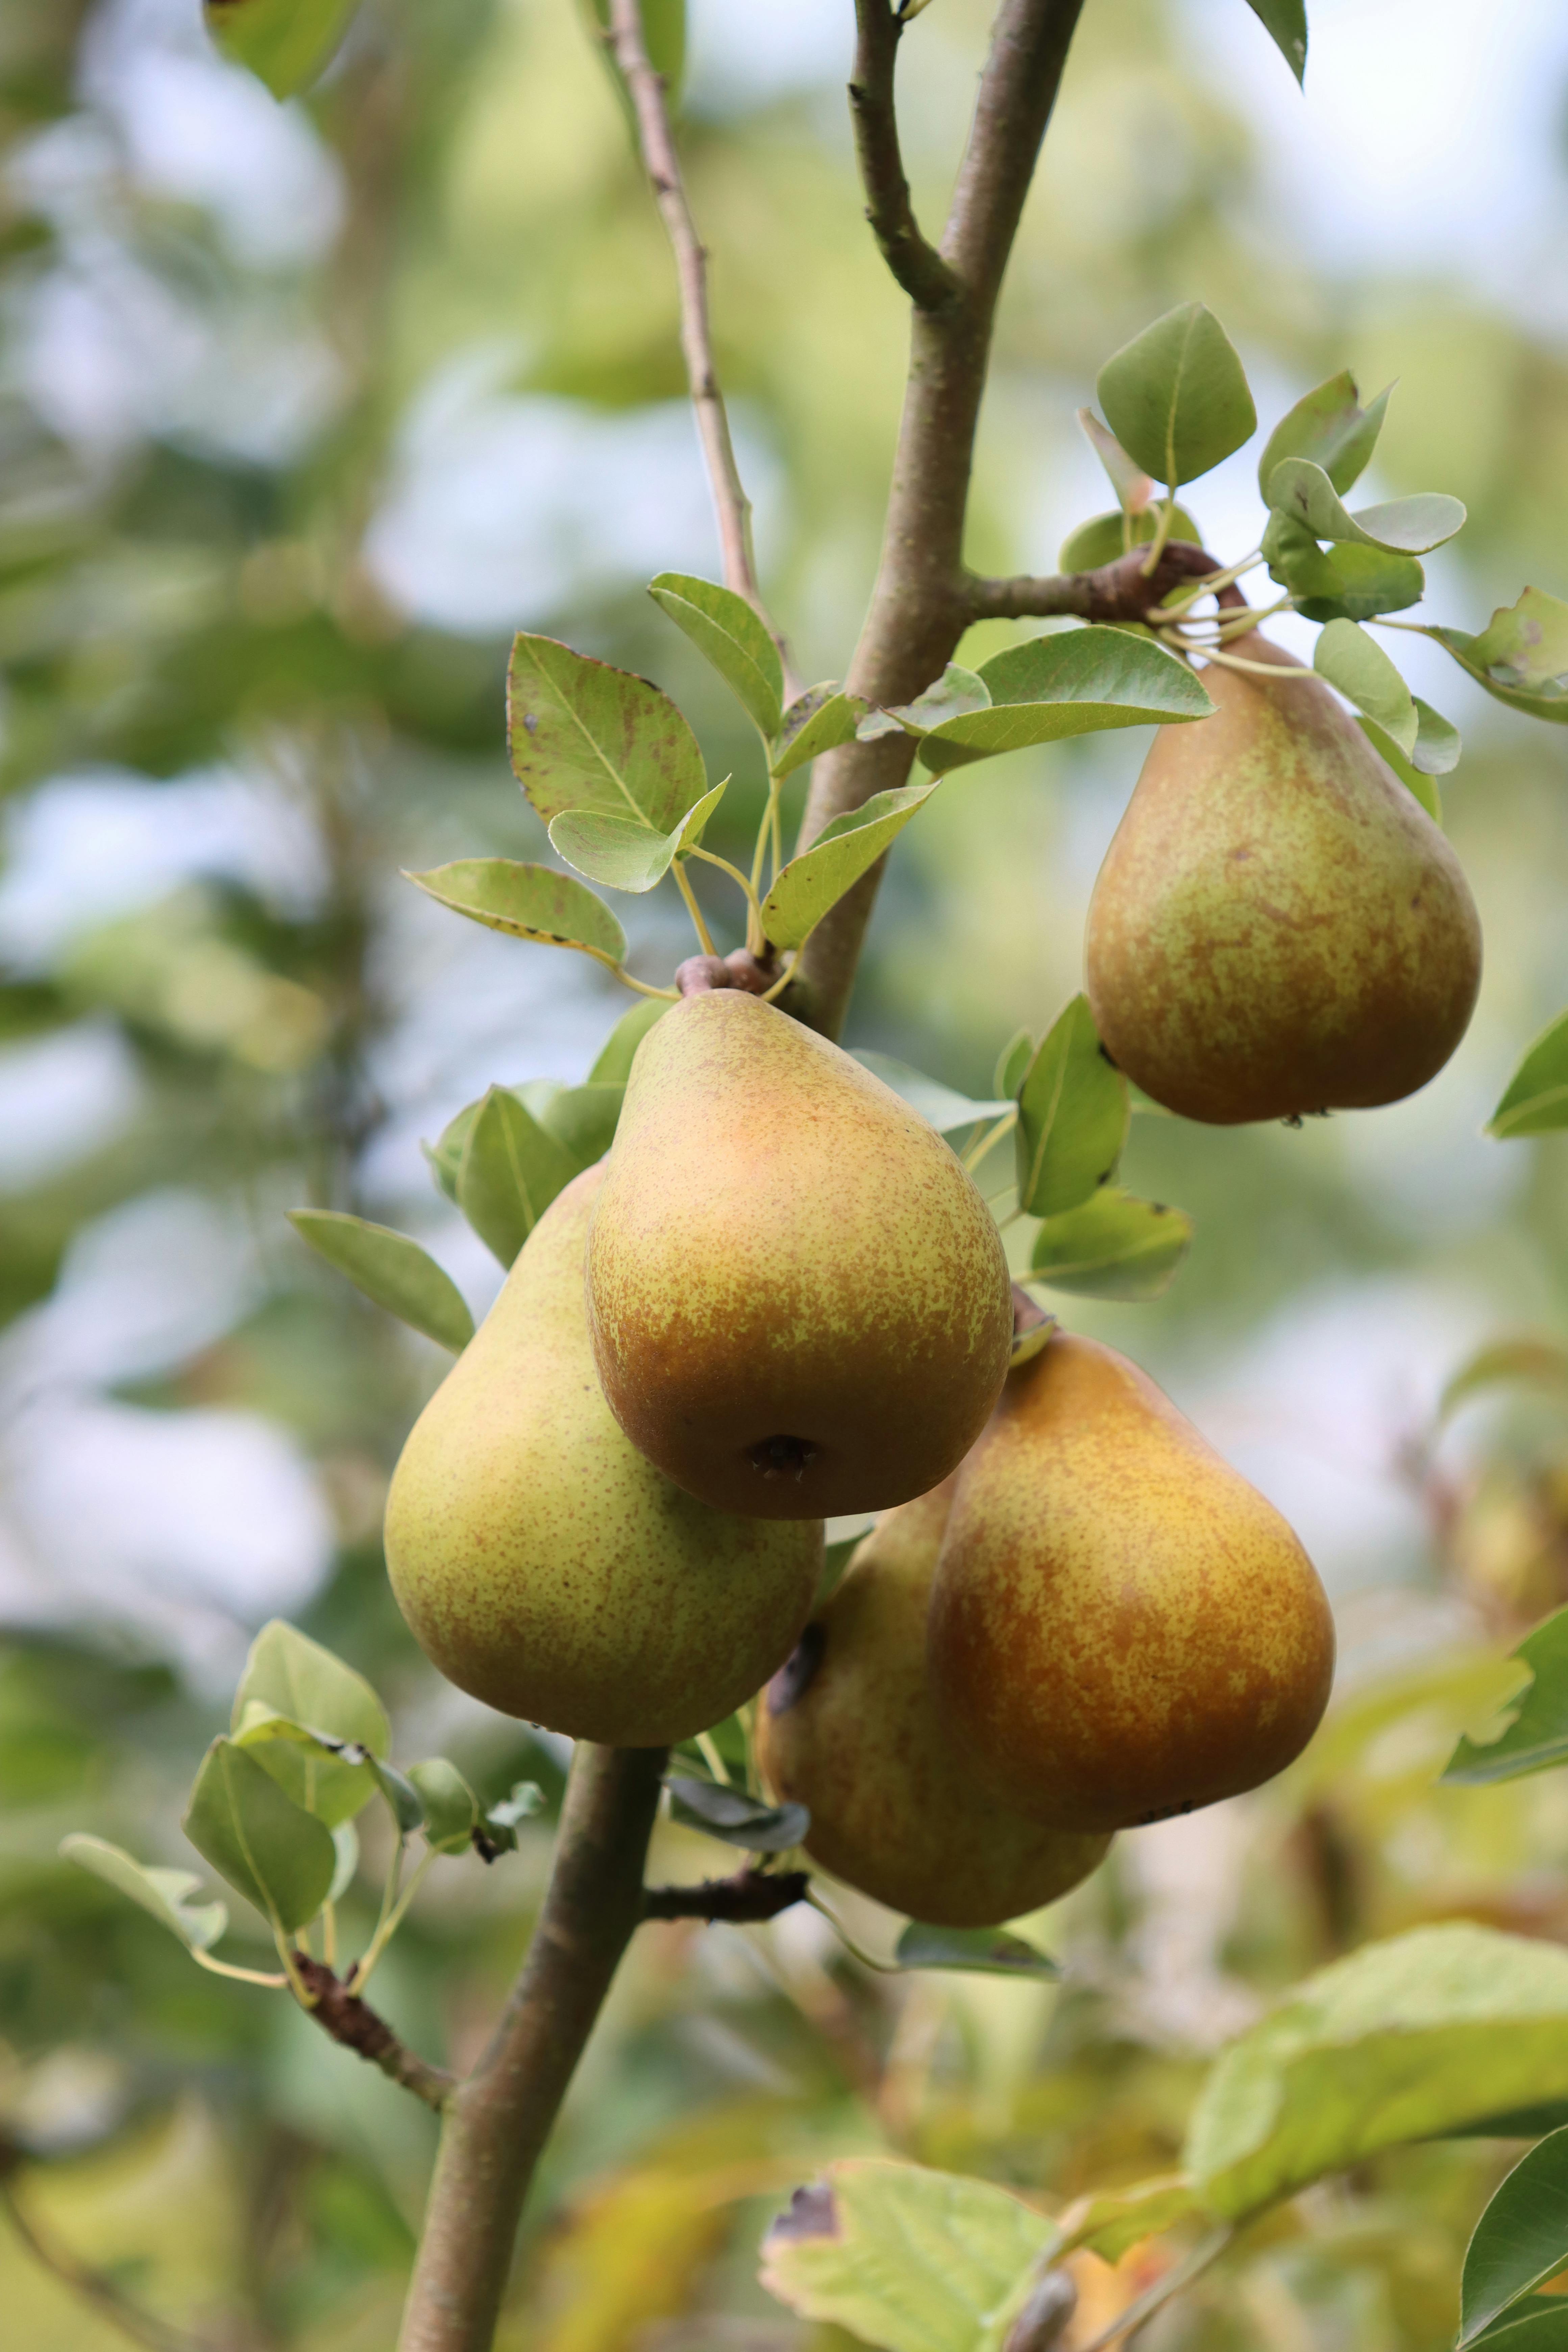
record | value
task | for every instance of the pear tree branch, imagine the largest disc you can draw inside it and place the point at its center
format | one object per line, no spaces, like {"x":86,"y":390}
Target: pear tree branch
{"x":750,"y":1894}
{"x":917,"y":266}
{"x":495,"y":2123}
{"x":340,"y":2012}
{"x":923,"y":600}
{"x":661,"y":160}
{"x":1115,"y":592}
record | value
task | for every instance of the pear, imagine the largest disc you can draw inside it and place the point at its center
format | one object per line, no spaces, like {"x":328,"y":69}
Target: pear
{"x":545,"y":1566}
{"x":799,"y":1301}
{"x":1120,"y":1626}
{"x":847,"y":1728}
{"x":1279,"y":928}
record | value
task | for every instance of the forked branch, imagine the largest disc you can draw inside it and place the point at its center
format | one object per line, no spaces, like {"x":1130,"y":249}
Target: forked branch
{"x":917,"y":266}
{"x":923,"y":601}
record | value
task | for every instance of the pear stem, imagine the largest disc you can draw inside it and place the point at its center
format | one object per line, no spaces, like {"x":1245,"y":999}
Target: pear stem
{"x":705,"y":937}
{"x":1255,"y":669}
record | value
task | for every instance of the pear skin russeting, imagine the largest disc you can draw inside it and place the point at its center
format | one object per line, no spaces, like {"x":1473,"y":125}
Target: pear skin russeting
{"x":847,"y":1728}
{"x":1279,"y":928}
{"x":799,"y":1301}
{"x":1121,"y":1627}
{"x":545,"y":1566}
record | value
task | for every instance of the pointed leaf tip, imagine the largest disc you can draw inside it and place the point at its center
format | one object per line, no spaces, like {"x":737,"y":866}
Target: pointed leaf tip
{"x":392,"y":1270}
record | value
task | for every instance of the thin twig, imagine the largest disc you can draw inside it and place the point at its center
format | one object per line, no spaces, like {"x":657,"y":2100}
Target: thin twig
{"x":750,"y":1894}
{"x":339,"y":2012}
{"x":661,"y":160}
{"x":95,"y":2286}
{"x":916,"y":266}
{"x":1208,"y":2250}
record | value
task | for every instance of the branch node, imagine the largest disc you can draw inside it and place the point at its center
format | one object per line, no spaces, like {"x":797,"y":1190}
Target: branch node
{"x":341,"y":2014}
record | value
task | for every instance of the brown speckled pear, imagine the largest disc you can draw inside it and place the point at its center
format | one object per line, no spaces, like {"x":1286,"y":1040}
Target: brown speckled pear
{"x":1120,"y":1627}
{"x":847,"y":1728}
{"x":799,"y":1302}
{"x":548,"y":1568}
{"x":1279,"y":928}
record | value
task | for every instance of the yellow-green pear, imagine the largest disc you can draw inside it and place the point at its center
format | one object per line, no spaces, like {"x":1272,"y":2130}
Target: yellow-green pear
{"x":1279,"y":928}
{"x":545,"y":1566}
{"x":799,"y":1301}
{"x":1120,"y":1626}
{"x":847,"y":1728}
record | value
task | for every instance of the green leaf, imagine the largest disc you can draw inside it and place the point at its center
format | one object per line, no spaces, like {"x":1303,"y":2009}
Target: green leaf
{"x":623,"y":852}
{"x":510,"y":1170}
{"x":1354,"y":583}
{"x":1285,"y":21}
{"x":908,"y":2259}
{"x":1539,"y":2323}
{"x":735,"y":1818}
{"x":1013,"y":1064}
{"x":1520,"y":2240}
{"x":1074,"y":682}
{"x":277,"y":1855}
{"x":345,"y":1844}
{"x":1176,"y":397}
{"x":1536,"y":1100}
{"x":613,"y":1067}
{"x":1115,"y":2219}
{"x":943,"y":1106}
{"x":392,"y":1270}
{"x":583,"y":1120}
{"x":1099,"y":540}
{"x":167,"y":1893}
{"x":1303,"y":492}
{"x":1363,"y":674}
{"x":284,"y":43}
{"x":295,"y":1676}
{"x":1405,"y":2039}
{"x":837,"y":859}
{"x":1409,"y":775}
{"x":528,"y":902}
{"x":586,"y":735}
{"x":1072,"y":1115}
{"x":295,"y":1703}
{"x":1504,"y":1361}
{"x":1526,"y":643}
{"x":1438,"y":744}
{"x":955,"y":693}
{"x":1112,"y":1246}
{"x":403,"y":1801}
{"x":1132,"y":486}
{"x":1329,"y":427}
{"x":818,"y":721}
{"x":500,"y":1823}
{"x":984,"y":1952}
{"x":724,"y":628}
{"x":1520,"y":657}
{"x":1536,"y":1736}
{"x":331,"y":1779}
{"x":451,"y":1809}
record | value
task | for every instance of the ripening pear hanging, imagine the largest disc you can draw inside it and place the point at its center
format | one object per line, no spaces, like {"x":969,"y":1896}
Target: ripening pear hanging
{"x":845,"y":1727}
{"x":1279,"y":928}
{"x":1120,"y":1627}
{"x":799,"y":1301}
{"x":545,"y":1566}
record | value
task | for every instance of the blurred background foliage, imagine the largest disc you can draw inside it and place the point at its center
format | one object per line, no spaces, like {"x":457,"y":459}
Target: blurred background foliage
{"x":303,"y":411}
